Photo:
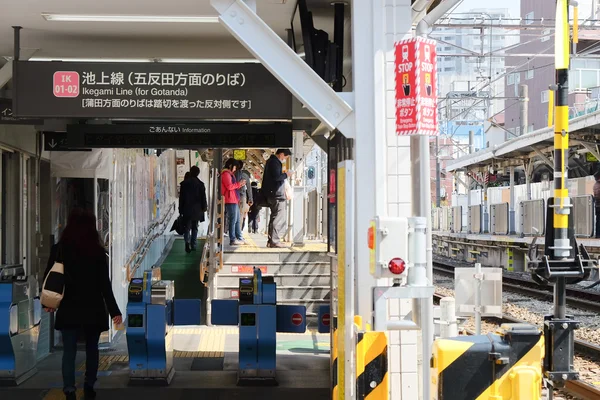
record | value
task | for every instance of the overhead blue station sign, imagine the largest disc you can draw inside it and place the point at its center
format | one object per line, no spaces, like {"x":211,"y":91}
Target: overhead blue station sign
{"x":149,"y":91}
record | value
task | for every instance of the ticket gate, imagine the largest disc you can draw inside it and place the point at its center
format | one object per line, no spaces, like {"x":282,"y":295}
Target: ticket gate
{"x":20,"y":316}
{"x":150,"y":331}
{"x":259,"y":319}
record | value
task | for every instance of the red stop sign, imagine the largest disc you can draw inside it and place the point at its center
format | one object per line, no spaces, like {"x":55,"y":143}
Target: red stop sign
{"x":325,"y":319}
{"x":297,"y":319}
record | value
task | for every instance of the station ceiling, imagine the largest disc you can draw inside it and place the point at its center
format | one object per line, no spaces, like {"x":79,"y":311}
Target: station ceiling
{"x":133,"y":40}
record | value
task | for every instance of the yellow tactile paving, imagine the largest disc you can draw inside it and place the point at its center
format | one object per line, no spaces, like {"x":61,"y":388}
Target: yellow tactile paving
{"x":211,"y":344}
{"x":57,"y":394}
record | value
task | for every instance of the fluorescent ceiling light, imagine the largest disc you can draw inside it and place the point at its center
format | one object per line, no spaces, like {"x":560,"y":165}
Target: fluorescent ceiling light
{"x":209,"y":60}
{"x":129,"y":18}
{"x":123,"y":60}
{"x":149,"y":60}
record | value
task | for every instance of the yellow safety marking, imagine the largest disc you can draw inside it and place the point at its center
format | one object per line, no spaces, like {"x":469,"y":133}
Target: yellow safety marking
{"x":57,"y":394}
{"x":528,"y":389}
{"x":341,"y":268}
{"x":447,"y":357}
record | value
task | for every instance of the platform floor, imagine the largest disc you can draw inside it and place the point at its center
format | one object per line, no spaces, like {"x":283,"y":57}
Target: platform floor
{"x":184,"y":269}
{"x":206,"y":362}
{"x":508,"y":239}
{"x":257,"y":243}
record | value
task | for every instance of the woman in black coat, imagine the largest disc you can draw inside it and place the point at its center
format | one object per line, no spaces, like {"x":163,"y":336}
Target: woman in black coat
{"x":88,"y":294}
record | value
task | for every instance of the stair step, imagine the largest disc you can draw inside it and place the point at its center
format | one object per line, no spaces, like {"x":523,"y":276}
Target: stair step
{"x":283,"y":280}
{"x":273,"y":257}
{"x":246,"y":269}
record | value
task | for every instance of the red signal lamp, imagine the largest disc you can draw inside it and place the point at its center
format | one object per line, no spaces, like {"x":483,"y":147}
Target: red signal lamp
{"x":397,"y":266}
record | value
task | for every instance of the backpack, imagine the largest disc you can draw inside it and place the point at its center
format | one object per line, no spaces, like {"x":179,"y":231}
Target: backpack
{"x":53,"y":289}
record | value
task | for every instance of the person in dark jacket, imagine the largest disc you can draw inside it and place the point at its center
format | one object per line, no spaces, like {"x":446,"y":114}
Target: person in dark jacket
{"x":87,"y":297}
{"x":254,"y":210}
{"x":192,"y":206}
{"x":273,"y":188}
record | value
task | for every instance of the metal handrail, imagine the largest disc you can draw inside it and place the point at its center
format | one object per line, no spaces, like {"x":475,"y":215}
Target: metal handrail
{"x":140,"y":252}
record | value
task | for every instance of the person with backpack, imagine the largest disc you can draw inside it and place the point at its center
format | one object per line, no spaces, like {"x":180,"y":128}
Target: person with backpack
{"x":254,"y":209}
{"x":192,"y":206}
{"x":82,"y":309}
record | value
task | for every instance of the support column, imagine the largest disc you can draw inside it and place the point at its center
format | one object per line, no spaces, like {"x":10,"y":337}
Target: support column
{"x":511,"y":212}
{"x":528,"y":173}
{"x":524,"y":107}
{"x":438,"y":177}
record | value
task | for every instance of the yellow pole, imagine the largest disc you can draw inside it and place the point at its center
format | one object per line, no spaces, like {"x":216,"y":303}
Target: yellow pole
{"x":561,"y":132}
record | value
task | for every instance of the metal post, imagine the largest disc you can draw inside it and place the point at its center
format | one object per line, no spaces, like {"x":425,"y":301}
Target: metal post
{"x":478,"y":279}
{"x":212,"y":278}
{"x":448,"y":326}
{"x":524,"y":106}
{"x":17,"y":42}
{"x":438,"y":176}
{"x":562,"y":247}
{"x":511,"y":212}
{"x":471,"y":142}
{"x":338,"y":39}
{"x":469,"y":183}
{"x":528,"y":171}
{"x":421,"y":203}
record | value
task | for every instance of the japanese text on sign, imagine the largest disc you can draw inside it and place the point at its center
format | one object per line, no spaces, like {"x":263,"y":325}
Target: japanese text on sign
{"x":416,"y":99}
{"x":163,"y":79}
{"x":150,"y":90}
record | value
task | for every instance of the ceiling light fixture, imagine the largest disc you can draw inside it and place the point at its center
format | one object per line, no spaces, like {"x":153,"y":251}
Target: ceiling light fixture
{"x":123,"y":60}
{"x":129,"y":18}
{"x":209,"y":60}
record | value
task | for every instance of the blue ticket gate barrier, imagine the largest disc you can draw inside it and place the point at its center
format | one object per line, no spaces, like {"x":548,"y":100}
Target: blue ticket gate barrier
{"x":20,"y":316}
{"x":150,"y":329}
{"x":259,"y":319}
{"x":152,"y":312}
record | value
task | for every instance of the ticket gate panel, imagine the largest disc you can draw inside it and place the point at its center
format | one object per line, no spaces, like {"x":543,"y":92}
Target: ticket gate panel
{"x":291,"y":318}
{"x":150,"y":316}
{"x":267,"y":345}
{"x":136,"y":340}
{"x":224,"y":312}
{"x":20,"y":317}
{"x":160,"y":341}
{"x":248,"y":341}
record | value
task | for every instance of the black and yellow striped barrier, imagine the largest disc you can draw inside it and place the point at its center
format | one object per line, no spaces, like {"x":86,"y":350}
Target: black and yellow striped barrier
{"x":372,"y":366}
{"x":506,"y":365}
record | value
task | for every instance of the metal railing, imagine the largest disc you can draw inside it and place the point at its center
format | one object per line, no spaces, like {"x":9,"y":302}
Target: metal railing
{"x":156,"y":229}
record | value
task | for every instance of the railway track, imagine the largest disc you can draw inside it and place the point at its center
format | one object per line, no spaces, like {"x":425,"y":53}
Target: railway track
{"x":578,"y":298}
{"x":579,"y":388}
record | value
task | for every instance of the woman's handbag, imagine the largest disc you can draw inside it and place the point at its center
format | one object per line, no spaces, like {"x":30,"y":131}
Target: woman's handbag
{"x":53,"y":289}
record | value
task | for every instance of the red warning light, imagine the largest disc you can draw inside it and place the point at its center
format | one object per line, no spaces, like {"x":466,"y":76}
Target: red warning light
{"x":397,"y":266}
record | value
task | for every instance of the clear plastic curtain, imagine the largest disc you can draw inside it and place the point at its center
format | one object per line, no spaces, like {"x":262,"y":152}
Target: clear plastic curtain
{"x":141,"y":193}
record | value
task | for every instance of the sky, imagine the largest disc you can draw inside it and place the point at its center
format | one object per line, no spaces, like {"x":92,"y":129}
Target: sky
{"x":513,"y":5}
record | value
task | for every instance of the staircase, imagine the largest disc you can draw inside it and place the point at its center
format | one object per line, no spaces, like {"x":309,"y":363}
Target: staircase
{"x":302,"y":278}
